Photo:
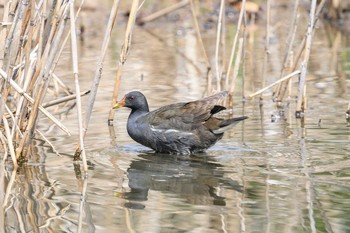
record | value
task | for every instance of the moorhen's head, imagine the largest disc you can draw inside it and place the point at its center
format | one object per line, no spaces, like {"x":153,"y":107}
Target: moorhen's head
{"x":134,"y":100}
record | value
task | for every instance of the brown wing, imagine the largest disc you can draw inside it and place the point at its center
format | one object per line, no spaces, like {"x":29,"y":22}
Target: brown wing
{"x":184,"y":116}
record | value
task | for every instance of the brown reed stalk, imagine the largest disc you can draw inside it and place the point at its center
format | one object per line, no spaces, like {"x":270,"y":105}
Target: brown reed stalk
{"x":286,"y":86}
{"x":64,"y":43}
{"x":202,"y":47}
{"x":14,"y":127}
{"x":245,"y":34}
{"x":4,"y":144}
{"x":76,"y":81}
{"x":302,"y":46}
{"x":217,"y":45}
{"x":281,"y":89}
{"x":163,"y":12}
{"x":63,"y":99}
{"x":123,"y":54}
{"x":233,"y":49}
{"x":28,"y":73}
{"x":301,"y":104}
{"x":3,"y":32}
{"x":98,"y":73}
{"x":267,"y":44}
{"x":21,"y":101}
{"x":10,"y":54}
{"x":51,"y":51}
{"x":275,"y":83}
{"x":223,"y":44}
{"x":9,"y":142}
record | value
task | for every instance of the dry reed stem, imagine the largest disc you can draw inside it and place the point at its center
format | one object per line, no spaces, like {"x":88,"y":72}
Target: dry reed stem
{"x":9,"y":142}
{"x":123,"y":54}
{"x":302,"y":81}
{"x":3,"y":142}
{"x":245,"y":33}
{"x":48,"y":41}
{"x":286,"y":63}
{"x":302,"y":44}
{"x":3,"y":31}
{"x":236,"y":67}
{"x":217,"y":45}
{"x":267,"y":43}
{"x":76,"y":82}
{"x":199,"y":36}
{"x":31,"y":100}
{"x":98,"y":71}
{"x":10,"y":54}
{"x":64,"y":43}
{"x":14,"y":126}
{"x":21,"y":101}
{"x":45,"y":73}
{"x":201,"y":44}
{"x":286,"y":85}
{"x":275,"y":83}
{"x":233,"y":49}
{"x":223,"y":43}
{"x":43,"y":18}
{"x":63,"y":99}
{"x":163,"y":12}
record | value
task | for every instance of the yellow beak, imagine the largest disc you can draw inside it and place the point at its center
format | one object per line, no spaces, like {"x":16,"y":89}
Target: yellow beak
{"x":120,"y":103}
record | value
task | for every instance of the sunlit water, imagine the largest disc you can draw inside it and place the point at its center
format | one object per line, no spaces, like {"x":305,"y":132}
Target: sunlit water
{"x":270,"y":174}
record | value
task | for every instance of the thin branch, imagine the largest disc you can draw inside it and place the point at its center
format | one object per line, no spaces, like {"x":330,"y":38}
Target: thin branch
{"x":64,"y":99}
{"x":275,"y":83}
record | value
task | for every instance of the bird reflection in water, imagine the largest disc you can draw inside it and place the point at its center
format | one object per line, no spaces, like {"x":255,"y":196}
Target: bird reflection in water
{"x":196,"y":180}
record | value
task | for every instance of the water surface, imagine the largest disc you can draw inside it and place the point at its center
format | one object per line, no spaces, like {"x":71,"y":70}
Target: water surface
{"x":270,"y":174}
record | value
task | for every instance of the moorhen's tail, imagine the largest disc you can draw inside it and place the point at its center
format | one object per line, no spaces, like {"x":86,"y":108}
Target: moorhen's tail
{"x":228,"y":124}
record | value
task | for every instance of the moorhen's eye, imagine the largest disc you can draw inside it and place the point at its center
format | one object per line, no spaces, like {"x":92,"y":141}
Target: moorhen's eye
{"x":131,"y":97}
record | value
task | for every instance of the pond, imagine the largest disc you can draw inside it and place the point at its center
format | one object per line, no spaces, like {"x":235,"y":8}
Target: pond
{"x":272,"y":173}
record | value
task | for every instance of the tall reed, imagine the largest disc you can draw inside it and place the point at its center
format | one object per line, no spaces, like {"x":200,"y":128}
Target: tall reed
{"x":123,"y":54}
{"x":30,"y":42}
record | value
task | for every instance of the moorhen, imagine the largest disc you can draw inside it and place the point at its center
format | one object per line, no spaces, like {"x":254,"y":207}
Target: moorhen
{"x":181,"y":128}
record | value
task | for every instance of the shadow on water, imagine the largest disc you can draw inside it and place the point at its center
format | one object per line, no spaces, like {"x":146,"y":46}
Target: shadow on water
{"x":195,"y":179}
